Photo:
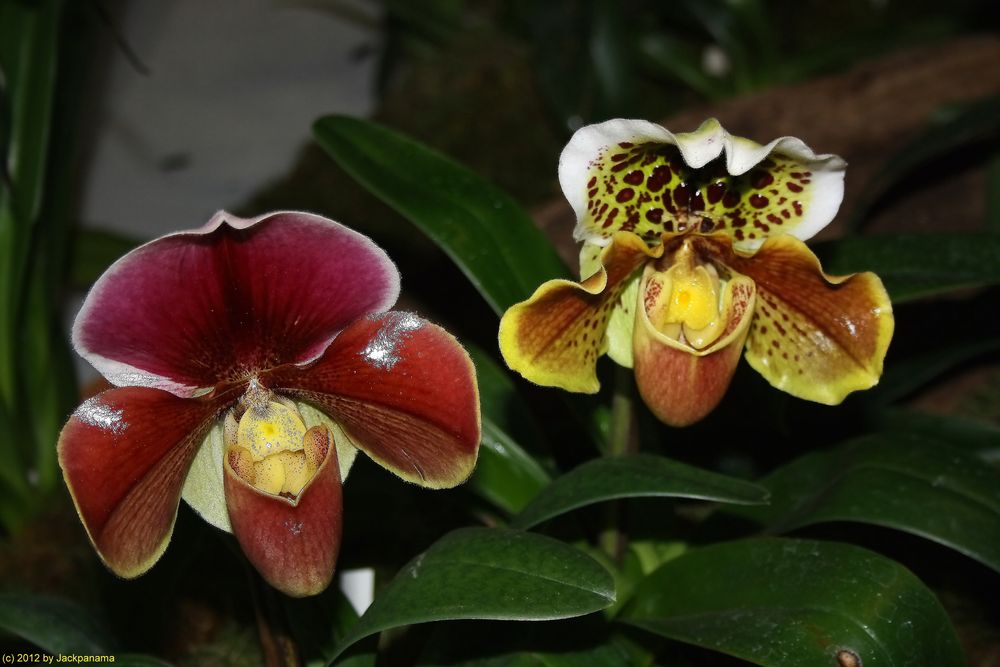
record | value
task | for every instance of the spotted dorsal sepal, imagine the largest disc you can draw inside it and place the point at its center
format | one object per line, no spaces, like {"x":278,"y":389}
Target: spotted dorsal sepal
{"x":653,"y":182}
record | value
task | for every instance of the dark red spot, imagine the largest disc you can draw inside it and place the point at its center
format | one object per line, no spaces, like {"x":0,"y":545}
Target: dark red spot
{"x":706,"y":226}
{"x":624,"y":195}
{"x":592,"y":182}
{"x":731,"y":199}
{"x":618,"y":157}
{"x":611,"y":217}
{"x":625,"y":144}
{"x":634,"y":177}
{"x":715,"y":191}
{"x":772,"y":218}
{"x":654,"y":215}
{"x":759,"y":201}
{"x":785,"y":214}
{"x":682,"y":195}
{"x":794,"y":187}
{"x":592,"y":192}
{"x":761,"y":179}
{"x":796,"y":174}
{"x":659,"y":178}
{"x":620,"y":166}
{"x":775,"y":344}
{"x":697,"y":202}
{"x":798,"y":208}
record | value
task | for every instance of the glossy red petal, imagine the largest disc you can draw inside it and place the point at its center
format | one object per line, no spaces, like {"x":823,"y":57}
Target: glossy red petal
{"x":293,"y":544}
{"x":404,"y":390}
{"x":124,"y":454}
{"x":193,"y":309}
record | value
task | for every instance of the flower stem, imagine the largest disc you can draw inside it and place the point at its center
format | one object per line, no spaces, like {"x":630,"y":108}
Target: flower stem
{"x":622,"y":441}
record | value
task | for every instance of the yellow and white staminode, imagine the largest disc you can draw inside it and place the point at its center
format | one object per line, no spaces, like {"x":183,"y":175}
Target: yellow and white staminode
{"x":273,"y":449}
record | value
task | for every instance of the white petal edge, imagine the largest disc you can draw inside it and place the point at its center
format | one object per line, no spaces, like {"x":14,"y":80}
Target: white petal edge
{"x":122,"y":374}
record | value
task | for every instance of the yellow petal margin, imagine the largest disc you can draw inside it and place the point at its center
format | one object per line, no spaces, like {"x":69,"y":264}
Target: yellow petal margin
{"x":815,"y":336}
{"x":555,"y":337}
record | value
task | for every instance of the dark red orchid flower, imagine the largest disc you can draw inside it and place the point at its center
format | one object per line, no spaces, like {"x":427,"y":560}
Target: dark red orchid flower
{"x":252,"y":359}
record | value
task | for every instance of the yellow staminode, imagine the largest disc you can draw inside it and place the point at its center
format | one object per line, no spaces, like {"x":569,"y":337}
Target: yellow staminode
{"x":694,"y":299}
{"x":269,"y":451}
{"x":684,"y":302}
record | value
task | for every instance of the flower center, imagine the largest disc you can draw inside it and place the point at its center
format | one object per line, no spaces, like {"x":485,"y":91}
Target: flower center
{"x":271,"y":448}
{"x":684,"y":301}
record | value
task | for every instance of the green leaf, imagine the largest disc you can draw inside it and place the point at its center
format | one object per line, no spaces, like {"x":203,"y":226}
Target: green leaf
{"x":506,"y":474}
{"x":489,"y":573}
{"x":782,"y":603}
{"x":483,"y":230}
{"x":636,"y":476}
{"x":581,"y":642}
{"x":979,"y":437}
{"x":53,"y":624}
{"x":929,"y":488}
{"x":913,"y":266}
{"x":973,"y":124}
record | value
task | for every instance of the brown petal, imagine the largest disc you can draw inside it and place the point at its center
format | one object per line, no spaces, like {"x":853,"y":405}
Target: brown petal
{"x":125,"y":454}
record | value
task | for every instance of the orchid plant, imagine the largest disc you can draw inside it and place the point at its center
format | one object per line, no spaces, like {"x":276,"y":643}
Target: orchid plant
{"x":253,"y":359}
{"x":250,"y":359}
{"x":692,"y":251}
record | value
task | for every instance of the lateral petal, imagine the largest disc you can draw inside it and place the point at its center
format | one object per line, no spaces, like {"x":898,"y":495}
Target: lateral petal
{"x":681,"y":384}
{"x":193,"y":309}
{"x":403,"y":390}
{"x":555,"y":337}
{"x":124,"y":454}
{"x":815,"y":336}
{"x":292,"y":543}
{"x":635,"y":176}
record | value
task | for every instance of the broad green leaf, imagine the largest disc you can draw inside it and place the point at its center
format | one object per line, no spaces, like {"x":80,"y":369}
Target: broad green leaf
{"x":973,"y":124}
{"x":792,"y":603}
{"x":917,"y":265}
{"x":506,"y":474}
{"x":925,"y":487}
{"x":483,"y":230}
{"x":489,"y":573}
{"x":635,"y":477}
{"x":582,"y":642}
{"x":53,"y":624}
{"x":979,"y":437}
